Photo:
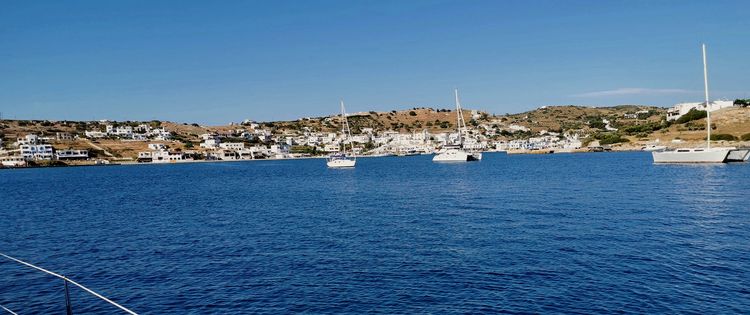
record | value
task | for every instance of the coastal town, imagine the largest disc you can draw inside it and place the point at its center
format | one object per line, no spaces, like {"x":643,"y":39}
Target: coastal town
{"x":548,"y":129}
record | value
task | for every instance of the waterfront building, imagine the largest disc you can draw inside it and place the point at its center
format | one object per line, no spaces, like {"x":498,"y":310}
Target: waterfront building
{"x":232,"y":145}
{"x":227,"y":154}
{"x":145,"y":156}
{"x":37,"y":151}
{"x":71,"y":154}
{"x":165,"y":156}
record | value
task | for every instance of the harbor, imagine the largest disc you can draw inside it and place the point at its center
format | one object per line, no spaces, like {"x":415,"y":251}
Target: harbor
{"x":234,"y":237}
{"x":374,"y":157}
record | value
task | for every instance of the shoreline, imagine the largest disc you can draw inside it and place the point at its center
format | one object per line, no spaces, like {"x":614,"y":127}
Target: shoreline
{"x":133,"y":163}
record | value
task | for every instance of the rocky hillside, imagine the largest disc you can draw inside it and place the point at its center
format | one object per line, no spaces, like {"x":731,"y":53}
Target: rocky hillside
{"x":628,"y":124}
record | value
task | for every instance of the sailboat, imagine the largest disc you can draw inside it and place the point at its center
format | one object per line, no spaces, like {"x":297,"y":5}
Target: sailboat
{"x":696,"y":155}
{"x":456,"y":152}
{"x":340,"y":160}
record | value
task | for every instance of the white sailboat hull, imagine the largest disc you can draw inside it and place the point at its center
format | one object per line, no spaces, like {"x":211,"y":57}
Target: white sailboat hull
{"x":341,"y":163}
{"x":456,"y":155}
{"x":696,"y":155}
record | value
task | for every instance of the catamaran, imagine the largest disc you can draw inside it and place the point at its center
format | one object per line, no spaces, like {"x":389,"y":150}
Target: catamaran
{"x":696,"y":155}
{"x":456,"y":152}
{"x":340,"y":159}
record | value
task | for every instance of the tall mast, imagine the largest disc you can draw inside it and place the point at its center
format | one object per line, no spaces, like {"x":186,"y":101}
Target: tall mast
{"x":345,"y":128}
{"x":708,"y":109}
{"x":459,"y":118}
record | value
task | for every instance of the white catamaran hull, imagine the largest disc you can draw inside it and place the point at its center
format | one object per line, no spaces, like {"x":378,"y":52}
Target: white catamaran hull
{"x":340,"y":163}
{"x":738,"y":155}
{"x":698,"y":155}
{"x":455,"y":155}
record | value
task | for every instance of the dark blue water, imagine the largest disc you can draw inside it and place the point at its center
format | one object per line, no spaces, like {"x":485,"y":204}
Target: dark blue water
{"x":576,"y":233}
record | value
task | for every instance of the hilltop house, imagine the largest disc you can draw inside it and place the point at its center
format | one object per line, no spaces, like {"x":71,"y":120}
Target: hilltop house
{"x":94,"y":134}
{"x":680,"y":109}
{"x":63,"y":136}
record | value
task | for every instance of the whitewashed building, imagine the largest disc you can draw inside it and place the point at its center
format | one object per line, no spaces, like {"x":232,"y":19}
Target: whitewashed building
{"x":63,"y":136}
{"x":94,"y":134}
{"x":71,"y":154}
{"x":28,"y":139}
{"x":211,"y":143}
{"x":37,"y":151}
{"x":680,"y":109}
{"x":232,"y":145}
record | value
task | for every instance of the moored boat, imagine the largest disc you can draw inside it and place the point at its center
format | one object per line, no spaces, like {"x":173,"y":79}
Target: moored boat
{"x":342,"y":160}
{"x":696,"y":155}
{"x":456,"y":152}
{"x":692,"y":155}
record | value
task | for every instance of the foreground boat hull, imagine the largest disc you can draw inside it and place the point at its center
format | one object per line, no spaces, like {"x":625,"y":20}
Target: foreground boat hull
{"x":716,"y":155}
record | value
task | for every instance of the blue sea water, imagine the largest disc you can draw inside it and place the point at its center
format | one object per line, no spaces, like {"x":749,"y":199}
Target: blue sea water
{"x":563,"y":233}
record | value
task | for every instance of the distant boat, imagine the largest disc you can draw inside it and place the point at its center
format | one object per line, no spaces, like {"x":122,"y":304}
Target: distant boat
{"x":341,"y":160}
{"x":12,"y":161}
{"x":456,"y":152}
{"x":696,"y":155}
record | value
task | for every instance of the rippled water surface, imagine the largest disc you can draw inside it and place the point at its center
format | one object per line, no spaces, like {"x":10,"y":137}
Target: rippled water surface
{"x":584,"y":233}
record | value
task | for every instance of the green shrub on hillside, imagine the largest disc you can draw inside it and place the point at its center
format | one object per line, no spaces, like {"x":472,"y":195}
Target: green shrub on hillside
{"x":693,"y":114}
{"x":644,"y":128}
{"x":723,"y":136}
{"x":745,"y":137}
{"x":612,"y":139}
{"x":609,"y":138}
{"x":696,"y":126}
{"x":597,"y":123}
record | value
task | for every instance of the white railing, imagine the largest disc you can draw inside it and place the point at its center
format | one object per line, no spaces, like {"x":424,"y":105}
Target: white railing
{"x":67,"y":297}
{"x":7,"y":310}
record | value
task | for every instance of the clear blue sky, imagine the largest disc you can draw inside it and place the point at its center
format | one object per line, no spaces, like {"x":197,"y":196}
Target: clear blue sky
{"x":214,"y":62}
